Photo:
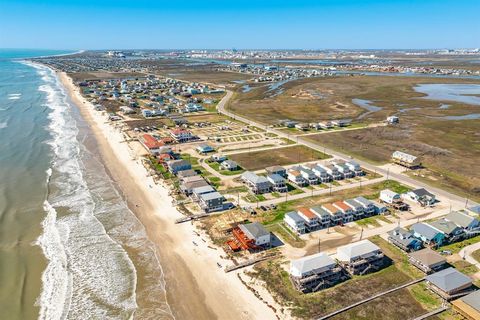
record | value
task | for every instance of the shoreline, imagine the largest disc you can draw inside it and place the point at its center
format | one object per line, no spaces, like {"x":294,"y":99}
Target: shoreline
{"x":190,"y":273}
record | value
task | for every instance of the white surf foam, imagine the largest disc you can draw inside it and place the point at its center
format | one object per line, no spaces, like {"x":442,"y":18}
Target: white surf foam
{"x":88,"y":273}
{"x":3,"y":125}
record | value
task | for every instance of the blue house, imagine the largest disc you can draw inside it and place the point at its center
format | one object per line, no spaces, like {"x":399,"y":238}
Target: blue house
{"x":404,"y":239}
{"x":204,"y":148}
{"x":428,"y":234}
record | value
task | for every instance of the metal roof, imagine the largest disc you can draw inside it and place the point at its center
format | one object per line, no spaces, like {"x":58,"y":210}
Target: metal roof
{"x":319,"y":211}
{"x":256,"y":230}
{"x":460,"y":219}
{"x":204,"y":189}
{"x":445,"y":226}
{"x":473,"y":300}
{"x":275,"y":178}
{"x":425,"y":230}
{"x":363,"y":201}
{"x":254,"y":178}
{"x":448,"y":279}
{"x":310,"y":263}
{"x":211,"y":196}
{"x":356,"y":250}
{"x":295,"y":217}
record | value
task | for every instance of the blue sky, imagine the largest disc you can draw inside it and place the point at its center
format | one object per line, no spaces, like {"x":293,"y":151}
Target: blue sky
{"x":108,"y":24}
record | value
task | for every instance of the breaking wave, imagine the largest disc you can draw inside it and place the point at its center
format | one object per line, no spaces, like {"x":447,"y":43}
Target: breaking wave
{"x":89,"y":275}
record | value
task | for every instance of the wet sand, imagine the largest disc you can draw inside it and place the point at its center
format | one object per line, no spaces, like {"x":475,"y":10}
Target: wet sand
{"x":196,"y":288}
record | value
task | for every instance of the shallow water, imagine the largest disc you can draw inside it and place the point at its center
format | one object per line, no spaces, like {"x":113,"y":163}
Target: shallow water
{"x":464,"y":93}
{"x":367,"y":105}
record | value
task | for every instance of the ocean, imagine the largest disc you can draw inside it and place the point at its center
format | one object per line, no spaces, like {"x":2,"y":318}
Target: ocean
{"x":70,"y":248}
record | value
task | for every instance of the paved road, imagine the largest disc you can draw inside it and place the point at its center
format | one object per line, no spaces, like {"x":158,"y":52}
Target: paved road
{"x":455,"y":199}
{"x":467,"y":253}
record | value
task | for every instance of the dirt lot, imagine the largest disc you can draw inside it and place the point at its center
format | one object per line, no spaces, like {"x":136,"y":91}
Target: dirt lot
{"x":282,"y":156}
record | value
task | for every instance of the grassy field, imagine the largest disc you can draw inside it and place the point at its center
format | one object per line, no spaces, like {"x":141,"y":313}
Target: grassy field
{"x":403,"y":304}
{"x":476,"y":255}
{"x":256,"y":160}
{"x":457,"y":246}
{"x":449,"y":149}
{"x":442,"y":146}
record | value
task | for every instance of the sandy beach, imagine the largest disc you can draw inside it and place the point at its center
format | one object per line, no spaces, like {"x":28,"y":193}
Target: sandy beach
{"x":196,"y":287}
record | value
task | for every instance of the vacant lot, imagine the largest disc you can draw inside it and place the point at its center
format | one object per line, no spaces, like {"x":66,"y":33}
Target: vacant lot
{"x":257,"y":160}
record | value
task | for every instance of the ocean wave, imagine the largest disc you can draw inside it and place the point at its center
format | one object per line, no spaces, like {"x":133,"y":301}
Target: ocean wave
{"x":87,"y":271}
{"x":3,"y":124}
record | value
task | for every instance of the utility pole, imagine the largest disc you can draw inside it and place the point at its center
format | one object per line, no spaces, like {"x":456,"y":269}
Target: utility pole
{"x":319,"y":245}
{"x":361,"y":234}
{"x":388,"y":173}
{"x":466,"y":203}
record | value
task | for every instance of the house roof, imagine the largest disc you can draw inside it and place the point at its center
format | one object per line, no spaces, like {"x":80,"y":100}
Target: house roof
{"x":203,"y":190}
{"x":179,"y":162}
{"x":445,"y":226}
{"x":425,"y":230}
{"x":460,"y":219}
{"x":295,"y":217}
{"x":473,"y":300}
{"x":193,"y":178}
{"x":389,"y":193}
{"x":274,"y":169}
{"x":255,"y":229}
{"x":150,"y":142}
{"x":294,"y":172}
{"x":307,"y":213}
{"x":342,"y":206}
{"x":309,"y":263}
{"x":353,"y":203}
{"x":320,"y":211}
{"x":330,"y":208}
{"x":402,"y":236}
{"x":428,"y":257}
{"x":356,"y":249}
{"x":187,"y":173}
{"x":448,"y":279}
{"x":422,"y":192}
{"x":253,"y":177}
{"x":204,"y":146}
{"x":275,"y":178}
{"x":230,"y":163}
{"x":363,"y":201}
{"x":210,"y":195}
